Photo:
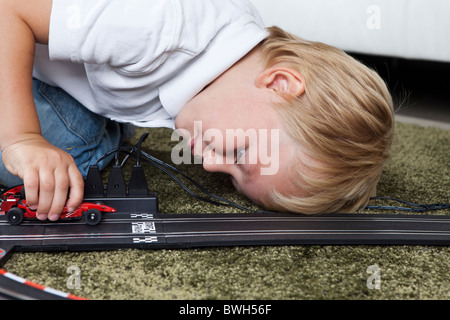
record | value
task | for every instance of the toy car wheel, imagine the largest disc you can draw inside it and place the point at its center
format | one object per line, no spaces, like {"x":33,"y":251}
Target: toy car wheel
{"x":92,"y":217}
{"x":15,"y":216}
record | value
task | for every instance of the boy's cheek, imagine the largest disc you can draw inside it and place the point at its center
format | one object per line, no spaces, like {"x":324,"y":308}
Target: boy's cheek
{"x":272,"y":169}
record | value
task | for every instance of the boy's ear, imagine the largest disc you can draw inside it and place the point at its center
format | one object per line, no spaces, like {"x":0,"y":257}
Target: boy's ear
{"x":282,"y":80}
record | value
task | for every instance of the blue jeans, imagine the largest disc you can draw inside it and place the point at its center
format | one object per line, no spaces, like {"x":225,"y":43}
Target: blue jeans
{"x":68,"y":125}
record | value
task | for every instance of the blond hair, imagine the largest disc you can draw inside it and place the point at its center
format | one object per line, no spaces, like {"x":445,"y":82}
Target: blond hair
{"x":344,"y":121}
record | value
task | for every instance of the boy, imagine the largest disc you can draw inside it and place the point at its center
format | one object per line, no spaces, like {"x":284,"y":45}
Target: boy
{"x":199,"y":66}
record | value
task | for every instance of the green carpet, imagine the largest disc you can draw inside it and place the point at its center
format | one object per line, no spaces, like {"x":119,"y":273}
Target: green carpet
{"x":418,"y":171}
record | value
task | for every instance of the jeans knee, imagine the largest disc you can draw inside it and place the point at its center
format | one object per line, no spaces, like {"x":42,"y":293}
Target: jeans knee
{"x":6,"y":178}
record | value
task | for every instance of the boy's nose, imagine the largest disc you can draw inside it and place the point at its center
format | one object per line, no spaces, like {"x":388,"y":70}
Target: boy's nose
{"x":215,"y":162}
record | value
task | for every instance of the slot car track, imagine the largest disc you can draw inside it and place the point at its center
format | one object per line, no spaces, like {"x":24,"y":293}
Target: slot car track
{"x":178,"y":231}
{"x":137,"y":224}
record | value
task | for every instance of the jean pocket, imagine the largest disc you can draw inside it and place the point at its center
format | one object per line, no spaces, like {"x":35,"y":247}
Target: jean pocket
{"x":81,"y":122}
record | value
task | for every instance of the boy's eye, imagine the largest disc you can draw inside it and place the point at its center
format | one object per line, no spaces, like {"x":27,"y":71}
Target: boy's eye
{"x":240,"y":156}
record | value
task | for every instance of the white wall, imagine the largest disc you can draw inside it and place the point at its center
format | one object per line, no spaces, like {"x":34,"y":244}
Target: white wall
{"x":406,"y":28}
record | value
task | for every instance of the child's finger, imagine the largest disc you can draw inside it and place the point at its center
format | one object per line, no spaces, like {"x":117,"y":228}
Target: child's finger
{"x":31,"y":185}
{"x":76,"y":192}
{"x":60,"y":194}
{"x":46,"y":192}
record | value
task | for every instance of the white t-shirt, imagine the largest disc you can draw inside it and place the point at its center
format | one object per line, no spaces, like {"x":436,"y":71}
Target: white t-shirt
{"x":141,"y":61}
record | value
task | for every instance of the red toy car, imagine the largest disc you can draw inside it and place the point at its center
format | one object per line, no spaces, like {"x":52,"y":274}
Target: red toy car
{"x":14,"y":206}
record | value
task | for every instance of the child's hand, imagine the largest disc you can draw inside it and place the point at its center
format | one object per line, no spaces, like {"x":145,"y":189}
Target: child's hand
{"x":47,"y":172}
